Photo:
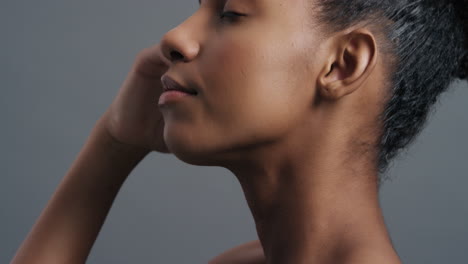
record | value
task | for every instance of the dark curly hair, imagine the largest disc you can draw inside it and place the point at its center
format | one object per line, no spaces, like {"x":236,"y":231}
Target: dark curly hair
{"x":427,"y":43}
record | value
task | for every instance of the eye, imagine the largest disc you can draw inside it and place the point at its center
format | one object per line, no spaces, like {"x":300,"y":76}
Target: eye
{"x":230,"y":14}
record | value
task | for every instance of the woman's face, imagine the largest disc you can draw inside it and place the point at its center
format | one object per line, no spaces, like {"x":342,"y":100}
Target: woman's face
{"x":253,"y":74}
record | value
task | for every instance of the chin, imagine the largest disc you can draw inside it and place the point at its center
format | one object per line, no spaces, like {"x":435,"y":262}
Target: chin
{"x":198,"y":159}
{"x":199,"y":151}
{"x":192,"y":154}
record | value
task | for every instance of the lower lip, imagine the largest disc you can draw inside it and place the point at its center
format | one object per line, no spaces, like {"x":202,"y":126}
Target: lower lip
{"x":172,"y":96}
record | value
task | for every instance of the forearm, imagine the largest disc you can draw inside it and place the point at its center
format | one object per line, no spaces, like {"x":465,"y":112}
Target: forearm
{"x":68,"y":226}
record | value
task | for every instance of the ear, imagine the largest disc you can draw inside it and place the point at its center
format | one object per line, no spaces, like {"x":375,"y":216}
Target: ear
{"x":353,"y":57}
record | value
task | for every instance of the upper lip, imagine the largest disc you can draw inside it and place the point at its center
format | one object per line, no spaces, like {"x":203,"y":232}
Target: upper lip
{"x":170,"y":84}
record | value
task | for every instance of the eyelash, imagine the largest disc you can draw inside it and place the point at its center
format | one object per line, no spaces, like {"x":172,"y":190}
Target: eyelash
{"x":235,"y":15}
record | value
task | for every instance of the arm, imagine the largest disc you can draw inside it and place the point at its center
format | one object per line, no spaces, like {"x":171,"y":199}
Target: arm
{"x":247,"y":253}
{"x":131,"y":128}
{"x":69,"y":224}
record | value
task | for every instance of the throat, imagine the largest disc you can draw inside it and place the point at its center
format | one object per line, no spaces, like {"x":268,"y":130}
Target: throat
{"x":321,"y":225}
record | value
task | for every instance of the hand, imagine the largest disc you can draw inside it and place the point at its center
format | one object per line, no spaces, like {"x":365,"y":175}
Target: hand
{"x":247,"y":253}
{"x":133,"y":118}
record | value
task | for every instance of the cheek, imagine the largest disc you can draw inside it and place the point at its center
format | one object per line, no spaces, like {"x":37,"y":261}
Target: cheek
{"x":253,"y":90}
{"x":254,"y":87}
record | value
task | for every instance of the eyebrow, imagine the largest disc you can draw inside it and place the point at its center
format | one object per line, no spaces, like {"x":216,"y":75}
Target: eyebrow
{"x":199,"y":2}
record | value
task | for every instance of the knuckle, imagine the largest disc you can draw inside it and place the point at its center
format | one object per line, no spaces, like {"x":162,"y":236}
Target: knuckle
{"x":149,"y":60}
{"x":141,"y":58}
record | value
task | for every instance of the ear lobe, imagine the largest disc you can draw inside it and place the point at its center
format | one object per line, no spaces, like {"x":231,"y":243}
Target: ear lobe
{"x":354,"y":59}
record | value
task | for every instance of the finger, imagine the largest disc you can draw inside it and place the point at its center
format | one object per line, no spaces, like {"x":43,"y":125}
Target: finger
{"x":151,"y":62}
{"x":156,"y":52}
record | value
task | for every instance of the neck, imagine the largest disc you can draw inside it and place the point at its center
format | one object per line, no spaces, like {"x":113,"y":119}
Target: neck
{"x":315,"y":207}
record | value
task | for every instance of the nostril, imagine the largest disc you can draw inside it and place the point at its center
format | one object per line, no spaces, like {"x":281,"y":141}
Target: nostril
{"x":175,"y":55}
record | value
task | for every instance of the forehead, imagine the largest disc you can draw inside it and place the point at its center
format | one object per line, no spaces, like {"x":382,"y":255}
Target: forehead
{"x":224,"y":1}
{"x":293,"y":11}
{"x":258,"y":2}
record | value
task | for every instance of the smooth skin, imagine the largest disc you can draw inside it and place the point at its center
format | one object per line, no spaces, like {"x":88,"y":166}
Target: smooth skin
{"x":285,"y":109}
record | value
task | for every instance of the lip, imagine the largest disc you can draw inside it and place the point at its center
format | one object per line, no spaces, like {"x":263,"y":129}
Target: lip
{"x":170,"y":84}
{"x":172,"y":96}
{"x":173,"y":91}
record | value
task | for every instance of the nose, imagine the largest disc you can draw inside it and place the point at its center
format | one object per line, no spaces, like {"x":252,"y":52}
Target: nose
{"x":180,"y":44}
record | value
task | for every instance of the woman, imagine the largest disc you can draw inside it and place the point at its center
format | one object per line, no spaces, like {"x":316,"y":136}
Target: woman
{"x":305,"y":101}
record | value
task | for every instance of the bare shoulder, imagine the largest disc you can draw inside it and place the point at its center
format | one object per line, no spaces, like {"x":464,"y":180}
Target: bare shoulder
{"x":247,"y":253}
{"x":374,"y":256}
{"x":252,"y":253}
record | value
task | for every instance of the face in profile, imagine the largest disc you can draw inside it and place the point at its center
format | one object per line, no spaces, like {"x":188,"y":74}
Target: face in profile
{"x":254,"y":73}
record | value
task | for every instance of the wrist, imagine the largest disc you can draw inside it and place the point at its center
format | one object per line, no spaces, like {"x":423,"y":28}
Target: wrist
{"x":117,"y":150}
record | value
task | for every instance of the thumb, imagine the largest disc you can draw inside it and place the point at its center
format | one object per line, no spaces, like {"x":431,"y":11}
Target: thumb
{"x":151,"y":62}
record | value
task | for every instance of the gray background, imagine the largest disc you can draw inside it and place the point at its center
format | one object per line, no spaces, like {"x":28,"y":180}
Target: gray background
{"x":62,"y":62}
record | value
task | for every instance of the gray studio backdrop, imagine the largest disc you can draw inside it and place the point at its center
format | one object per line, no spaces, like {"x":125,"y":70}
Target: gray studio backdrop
{"x":61,"y":64}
